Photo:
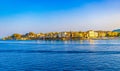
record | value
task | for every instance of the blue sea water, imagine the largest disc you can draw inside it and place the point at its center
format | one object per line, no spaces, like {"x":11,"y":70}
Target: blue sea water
{"x":84,"y":55}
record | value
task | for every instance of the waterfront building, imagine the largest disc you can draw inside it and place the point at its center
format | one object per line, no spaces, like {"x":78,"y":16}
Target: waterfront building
{"x":112,"y":34}
{"x":40,"y":35}
{"x":101,"y":34}
{"x":92,"y":34}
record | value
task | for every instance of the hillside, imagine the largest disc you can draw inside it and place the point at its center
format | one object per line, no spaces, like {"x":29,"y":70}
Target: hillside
{"x":117,"y":30}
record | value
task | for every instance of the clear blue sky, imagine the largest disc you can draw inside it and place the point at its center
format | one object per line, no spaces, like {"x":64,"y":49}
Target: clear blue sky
{"x":21,"y":16}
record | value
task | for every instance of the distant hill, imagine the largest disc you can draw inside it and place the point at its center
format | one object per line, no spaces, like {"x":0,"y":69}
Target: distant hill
{"x":117,"y":30}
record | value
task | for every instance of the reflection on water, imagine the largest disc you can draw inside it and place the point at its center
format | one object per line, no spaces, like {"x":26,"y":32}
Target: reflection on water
{"x":65,"y":42}
{"x":81,"y":41}
{"x":91,"y":41}
{"x":83,"y":55}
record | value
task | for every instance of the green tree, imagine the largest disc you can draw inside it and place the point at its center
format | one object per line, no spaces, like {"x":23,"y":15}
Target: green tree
{"x":16,"y":36}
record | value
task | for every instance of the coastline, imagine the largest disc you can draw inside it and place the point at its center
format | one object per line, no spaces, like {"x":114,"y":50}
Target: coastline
{"x":106,"y":38}
{"x":70,"y":35}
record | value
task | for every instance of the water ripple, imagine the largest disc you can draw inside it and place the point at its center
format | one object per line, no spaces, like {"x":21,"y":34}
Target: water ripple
{"x":49,"y":51}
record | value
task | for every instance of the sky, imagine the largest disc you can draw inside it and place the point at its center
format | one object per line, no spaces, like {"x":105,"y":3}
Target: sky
{"x":22,"y":16}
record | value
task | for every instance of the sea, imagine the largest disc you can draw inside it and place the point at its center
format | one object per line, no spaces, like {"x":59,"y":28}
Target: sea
{"x":82,"y":55}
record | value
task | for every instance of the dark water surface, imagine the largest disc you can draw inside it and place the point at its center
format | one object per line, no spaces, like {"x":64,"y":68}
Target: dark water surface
{"x":87,"y":55}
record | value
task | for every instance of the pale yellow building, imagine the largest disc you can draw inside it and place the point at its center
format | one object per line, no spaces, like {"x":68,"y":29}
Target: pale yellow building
{"x":92,"y":34}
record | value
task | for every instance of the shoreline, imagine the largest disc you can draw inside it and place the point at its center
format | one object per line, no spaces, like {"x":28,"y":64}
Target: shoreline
{"x":107,"y":38}
{"x":63,"y":36}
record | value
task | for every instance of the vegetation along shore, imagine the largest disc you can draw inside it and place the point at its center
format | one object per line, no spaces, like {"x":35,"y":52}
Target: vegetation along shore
{"x":70,"y":35}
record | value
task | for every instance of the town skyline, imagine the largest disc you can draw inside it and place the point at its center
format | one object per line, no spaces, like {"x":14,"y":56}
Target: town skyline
{"x":55,"y":16}
{"x":66,"y":35}
{"x":56,"y":31}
